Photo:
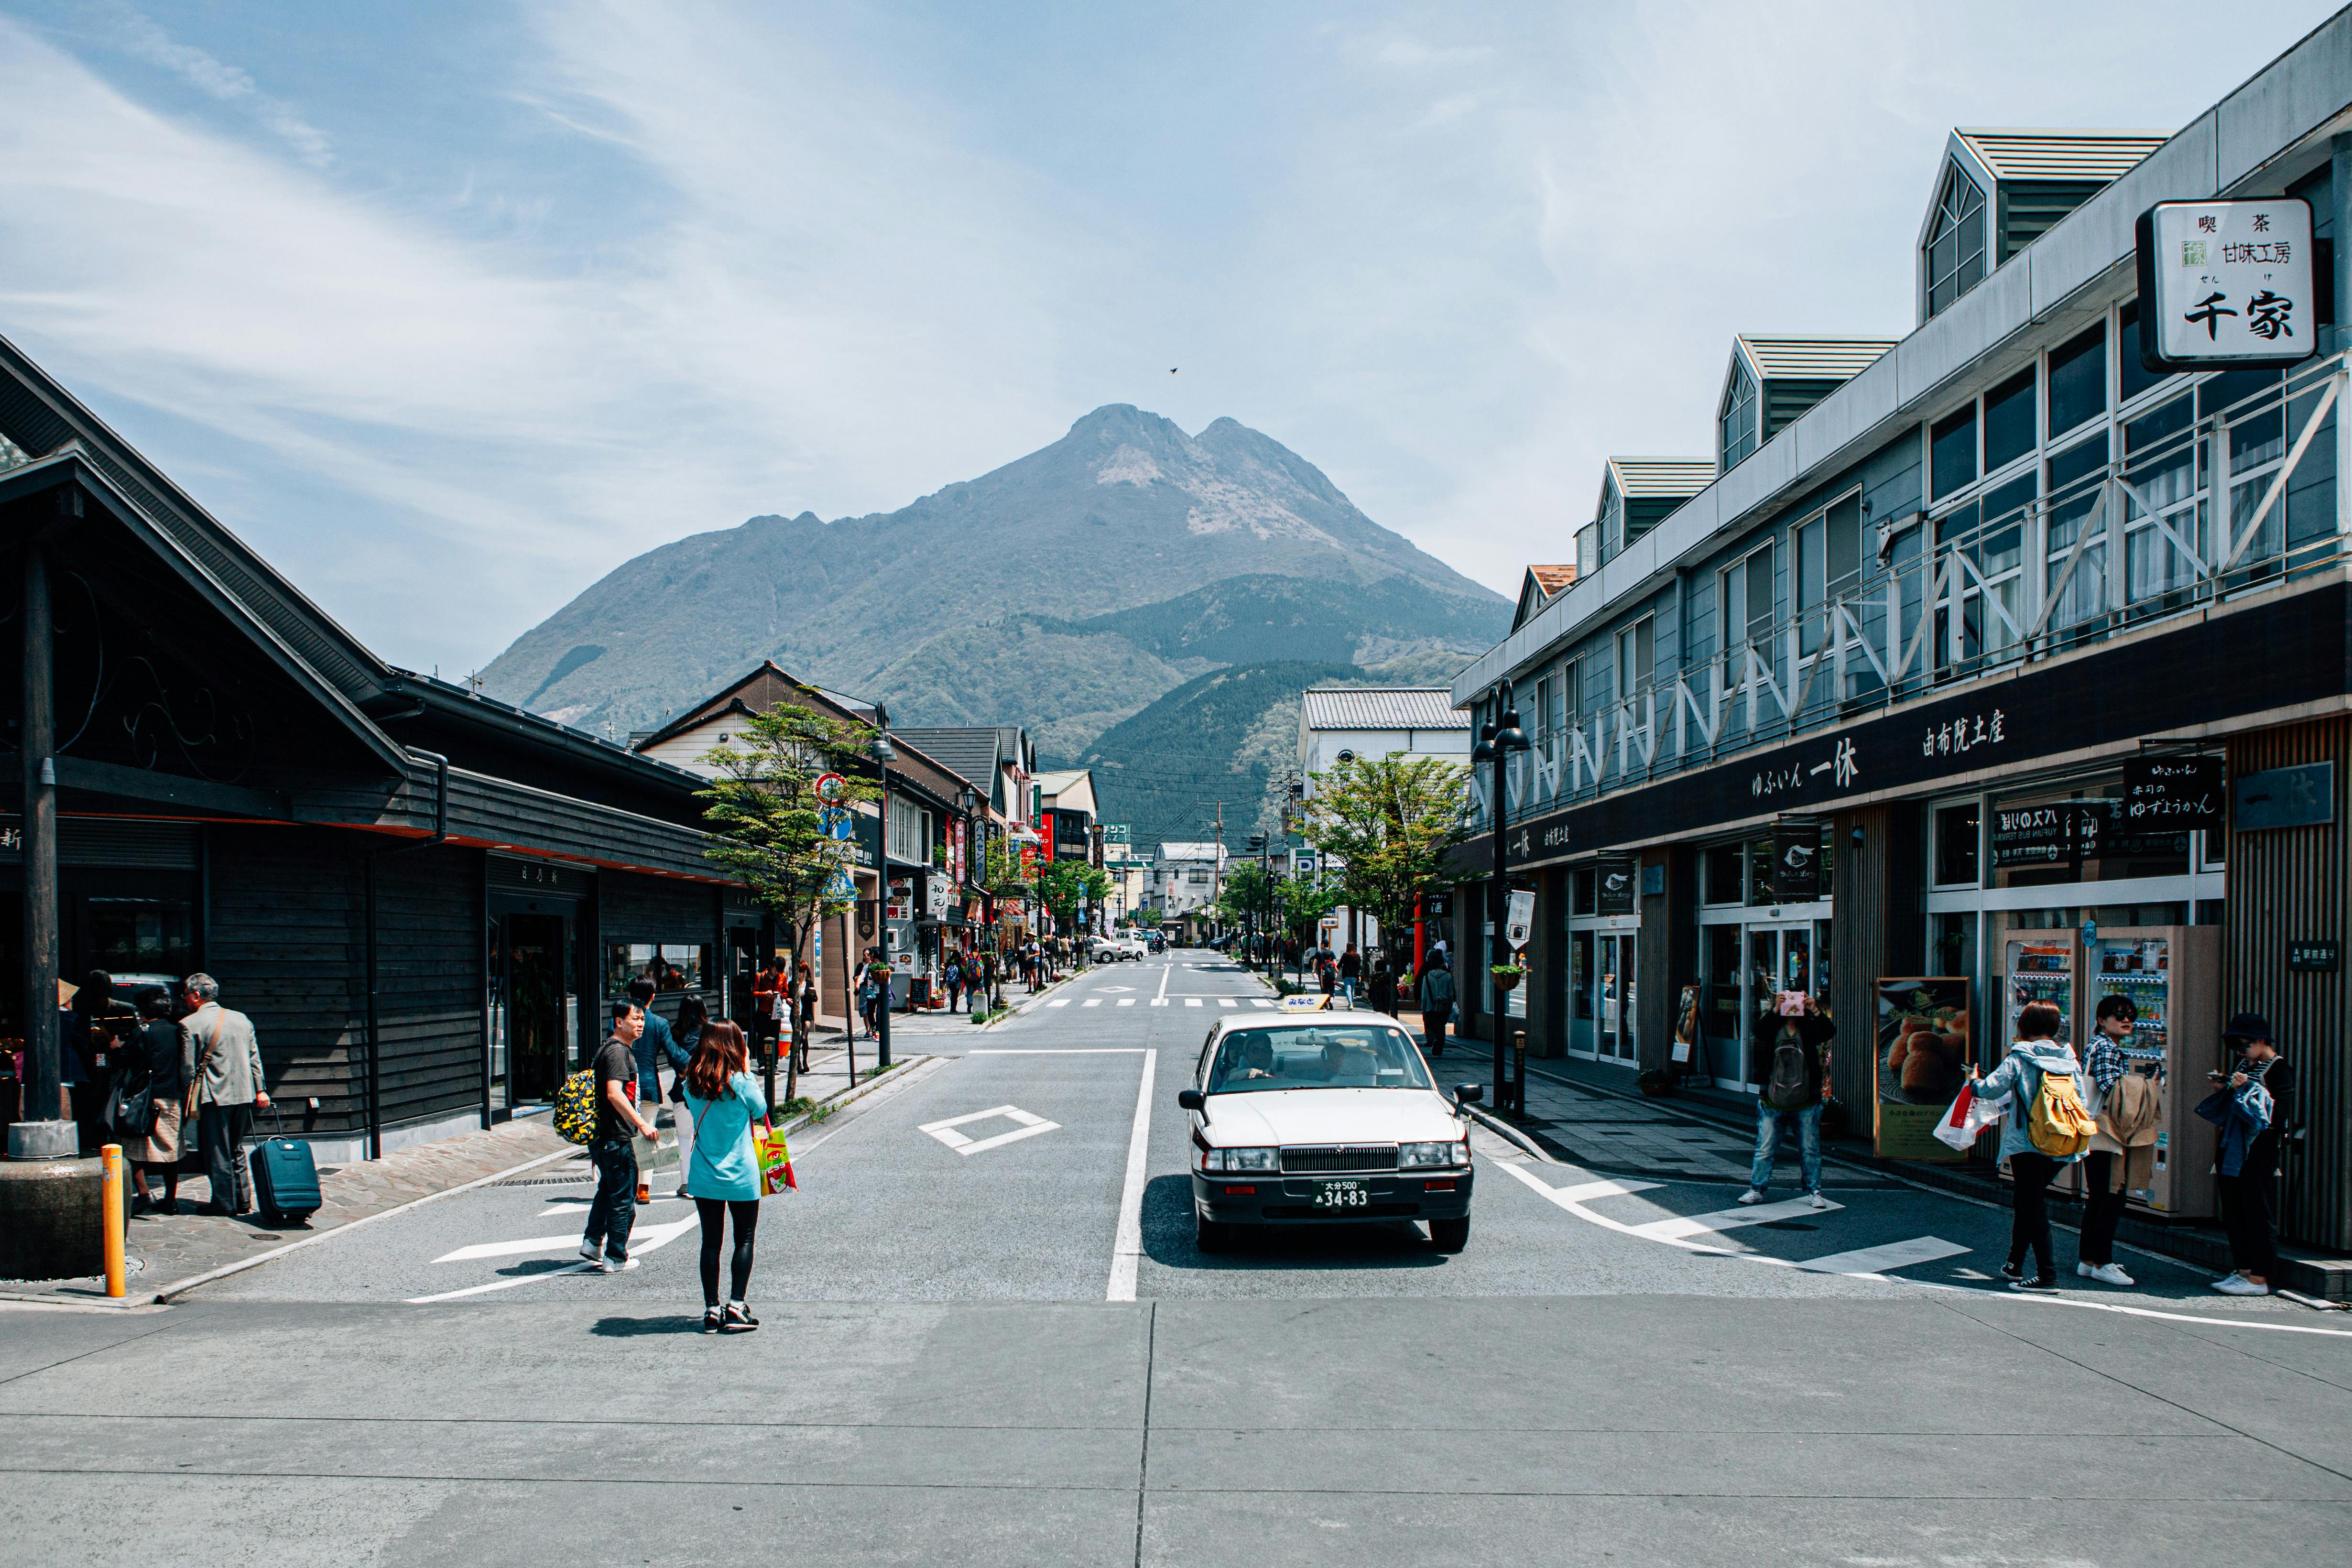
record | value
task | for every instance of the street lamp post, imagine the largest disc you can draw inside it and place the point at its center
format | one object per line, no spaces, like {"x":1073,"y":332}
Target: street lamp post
{"x":1496,"y":742}
{"x":885,"y":753}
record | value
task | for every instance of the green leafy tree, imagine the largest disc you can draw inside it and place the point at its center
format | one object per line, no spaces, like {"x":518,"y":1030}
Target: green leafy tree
{"x":1147,"y":919}
{"x":1248,"y":891}
{"x":1304,"y":904}
{"x":1388,"y":821}
{"x":1062,"y":883}
{"x":770,"y":828}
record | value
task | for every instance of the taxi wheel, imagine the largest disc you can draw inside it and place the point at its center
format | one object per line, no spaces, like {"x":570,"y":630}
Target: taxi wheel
{"x":1213,"y":1235}
{"x":1449,"y":1235}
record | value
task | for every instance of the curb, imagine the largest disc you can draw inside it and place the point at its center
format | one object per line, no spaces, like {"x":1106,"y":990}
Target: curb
{"x":1506,"y":1131}
{"x":901,"y":1071}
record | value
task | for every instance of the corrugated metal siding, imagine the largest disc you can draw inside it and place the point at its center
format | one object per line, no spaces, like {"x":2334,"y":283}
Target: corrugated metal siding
{"x":650,"y":908}
{"x":1397,"y":708}
{"x":2286,"y":885}
{"x":2026,"y":154}
{"x":429,"y":984}
{"x":2030,"y":208}
{"x":1839,"y":359}
{"x":1679,"y":478}
{"x":1785,"y":400}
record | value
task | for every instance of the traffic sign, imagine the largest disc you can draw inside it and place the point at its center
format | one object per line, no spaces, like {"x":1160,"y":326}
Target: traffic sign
{"x":835,"y":821}
{"x":830,"y":786}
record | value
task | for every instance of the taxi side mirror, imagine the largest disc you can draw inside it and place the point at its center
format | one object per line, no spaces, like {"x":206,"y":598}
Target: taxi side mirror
{"x":1189,"y":1100}
{"x":1468,"y":1093}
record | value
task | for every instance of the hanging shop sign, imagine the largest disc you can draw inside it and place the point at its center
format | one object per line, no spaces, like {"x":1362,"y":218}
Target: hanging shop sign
{"x":2053,"y":833}
{"x":1922,"y":1058}
{"x":1519,"y":917}
{"x":1436,"y":905}
{"x":955,"y":834}
{"x":2315,"y":957}
{"x":1615,"y":896}
{"x":2284,"y":797}
{"x":2172,"y":792}
{"x":2230,"y":282}
{"x":1796,"y":863}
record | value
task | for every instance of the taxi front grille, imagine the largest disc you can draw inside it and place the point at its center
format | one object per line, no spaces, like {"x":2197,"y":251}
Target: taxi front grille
{"x":1339,"y":1157}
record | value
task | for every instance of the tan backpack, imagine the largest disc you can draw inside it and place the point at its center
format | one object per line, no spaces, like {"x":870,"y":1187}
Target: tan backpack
{"x":2056,"y":1122}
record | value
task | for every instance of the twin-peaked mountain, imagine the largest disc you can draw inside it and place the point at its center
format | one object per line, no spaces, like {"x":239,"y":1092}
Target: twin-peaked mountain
{"x":1067,"y":591}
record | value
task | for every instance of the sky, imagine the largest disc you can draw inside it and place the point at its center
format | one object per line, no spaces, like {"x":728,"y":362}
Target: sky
{"x":448,"y":308}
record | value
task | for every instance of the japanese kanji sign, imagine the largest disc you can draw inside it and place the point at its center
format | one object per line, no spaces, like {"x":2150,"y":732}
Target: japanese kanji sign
{"x":2226,"y":283}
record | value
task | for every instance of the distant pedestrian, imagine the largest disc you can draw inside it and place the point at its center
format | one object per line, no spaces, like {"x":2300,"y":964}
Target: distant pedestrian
{"x":1383,"y":984}
{"x":2254,"y":1109}
{"x":154,"y":1144}
{"x":1351,"y":973}
{"x":2035,"y":1057}
{"x":613,"y":1210}
{"x":1436,"y":1006}
{"x":693,"y":1017}
{"x":2104,"y":1167}
{"x":656,"y":1045}
{"x":803,"y":1014}
{"x":1797,"y":1082}
{"x":220,"y":1060}
{"x":951,"y":976}
{"x":869,"y":995}
{"x":725,"y":1176}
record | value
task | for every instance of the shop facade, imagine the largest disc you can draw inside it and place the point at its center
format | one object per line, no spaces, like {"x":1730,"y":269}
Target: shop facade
{"x":2007,"y":664}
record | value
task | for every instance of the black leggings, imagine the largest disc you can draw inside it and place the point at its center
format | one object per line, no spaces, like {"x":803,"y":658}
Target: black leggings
{"x":2030,"y":1226}
{"x":715,"y":1213}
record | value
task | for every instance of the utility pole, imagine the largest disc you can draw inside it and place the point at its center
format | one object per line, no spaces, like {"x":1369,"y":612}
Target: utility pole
{"x":1217,"y":860}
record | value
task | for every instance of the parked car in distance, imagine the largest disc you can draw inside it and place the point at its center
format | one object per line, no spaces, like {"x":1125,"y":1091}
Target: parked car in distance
{"x":1112,"y":949}
{"x":1325,"y":1118}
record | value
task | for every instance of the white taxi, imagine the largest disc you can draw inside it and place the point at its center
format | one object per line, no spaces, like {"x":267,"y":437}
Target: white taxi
{"x":1324,"y":1118}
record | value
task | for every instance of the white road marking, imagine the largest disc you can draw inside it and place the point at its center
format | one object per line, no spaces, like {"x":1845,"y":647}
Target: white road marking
{"x":1093,"y":1002}
{"x":651,"y":1239}
{"x":1113,"y":990}
{"x":536,"y":1244}
{"x":1059,"y":1002}
{"x":1166,"y":970}
{"x":1192,"y":1001}
{"x":1724,"y":1219}
{"x":1585,"y":1190}
{"x":1878,"y":1259}
{"x":1227,"y":1002}
{"x":1057,"y":1051}
{"x":1261,"y":1001}
{"x":1128,"y":1250}
{"x":945,"y":1131}
{"x":1159,"y":1001}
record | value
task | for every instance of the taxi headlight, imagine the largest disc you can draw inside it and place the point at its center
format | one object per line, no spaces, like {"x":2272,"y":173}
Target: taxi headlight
{"x":1428,"y":1156}
{"x":1242,"y":1159}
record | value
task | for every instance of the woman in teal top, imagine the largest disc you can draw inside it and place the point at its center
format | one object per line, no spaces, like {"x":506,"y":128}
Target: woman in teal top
{"x":724,"y":1175}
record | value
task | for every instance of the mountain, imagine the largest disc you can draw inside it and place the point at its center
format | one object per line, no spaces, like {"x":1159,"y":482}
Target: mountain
{"x":1068,"y":591}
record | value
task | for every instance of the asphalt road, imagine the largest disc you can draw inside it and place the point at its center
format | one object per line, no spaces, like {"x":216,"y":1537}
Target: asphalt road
{"x":988,"y":1337}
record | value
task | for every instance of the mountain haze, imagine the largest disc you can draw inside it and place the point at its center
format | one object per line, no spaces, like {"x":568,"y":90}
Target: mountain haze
{"x":1067,"y":591}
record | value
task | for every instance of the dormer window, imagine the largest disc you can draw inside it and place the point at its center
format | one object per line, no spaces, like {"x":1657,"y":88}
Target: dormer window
{"x":1737,"y":421}
{"x":1955,"y":251}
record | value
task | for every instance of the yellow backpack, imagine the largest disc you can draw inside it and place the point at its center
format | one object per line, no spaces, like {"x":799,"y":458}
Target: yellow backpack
{"x":2057,"y":1122}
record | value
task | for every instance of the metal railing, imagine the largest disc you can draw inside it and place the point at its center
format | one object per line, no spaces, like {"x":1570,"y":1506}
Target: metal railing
{"x":1999,"y":579}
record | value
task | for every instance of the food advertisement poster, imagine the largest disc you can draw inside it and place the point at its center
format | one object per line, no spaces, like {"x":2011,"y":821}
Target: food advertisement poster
{"x":1688,"y":1027}
{"x":1923,"y":1056}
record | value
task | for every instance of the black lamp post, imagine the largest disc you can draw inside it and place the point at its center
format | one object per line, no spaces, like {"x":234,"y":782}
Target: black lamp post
{"x":1496,"y":742}
{"x":885,"y":753}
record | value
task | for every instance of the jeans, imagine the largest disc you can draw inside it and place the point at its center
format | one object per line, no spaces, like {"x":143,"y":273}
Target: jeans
{"x":2246,"y":1217}
{"x":221,"y":1131}
{"x":2029,"y":1225}
{"x":2101,"y":1210}
{"x":1769,"y":1125}
{"x":615,"y":1207}
{"x":1348,"y":987}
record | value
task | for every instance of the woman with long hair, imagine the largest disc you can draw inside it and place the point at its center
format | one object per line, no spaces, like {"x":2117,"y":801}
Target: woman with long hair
{"x":725,"y":1175}
{"x":693,"y":1017}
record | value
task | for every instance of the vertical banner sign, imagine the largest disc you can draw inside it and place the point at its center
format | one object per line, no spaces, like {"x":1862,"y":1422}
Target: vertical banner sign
{"x":958,"y":849}
{"x":1046,"y":836}
{"x":2229,"y":284}
{"x":1922,"y":1058}
{"x":1616,"y":892}
{"x":2172,"y":792}
{"x":1796,"y":863}
{"x":1519,"y":917}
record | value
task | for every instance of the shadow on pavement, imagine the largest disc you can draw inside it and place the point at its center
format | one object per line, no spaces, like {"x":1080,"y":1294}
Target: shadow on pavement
{"x":1168,"y":1239}
{"x":637,"y":1327}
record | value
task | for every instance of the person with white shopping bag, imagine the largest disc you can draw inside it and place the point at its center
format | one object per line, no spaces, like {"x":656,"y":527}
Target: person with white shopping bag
{"x":2044,"y":1128}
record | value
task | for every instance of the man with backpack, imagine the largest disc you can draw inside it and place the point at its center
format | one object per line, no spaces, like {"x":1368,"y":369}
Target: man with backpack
{"x":605,"y":1242}
{"x":2046,"y":1129}
{"x":1795,"y":1081}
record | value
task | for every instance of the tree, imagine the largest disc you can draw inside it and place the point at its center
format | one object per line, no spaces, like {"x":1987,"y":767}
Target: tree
{"x":1061,"y":883}
{"x":1248,"y":890}
{"x":1303,"y":903}
{"x":1147,"y":919}
{"x":772,"y":833}
{"x":1388,"y":822}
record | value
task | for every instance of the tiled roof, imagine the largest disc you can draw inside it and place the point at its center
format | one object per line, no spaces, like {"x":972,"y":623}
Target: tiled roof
{"x":1382,"y":707}
{"x":2027,"y":155}
{"x":1552,"y":579}
{"x":1813,"y":359}
{"x":1642,"y":478}
{"x":968,"y":751}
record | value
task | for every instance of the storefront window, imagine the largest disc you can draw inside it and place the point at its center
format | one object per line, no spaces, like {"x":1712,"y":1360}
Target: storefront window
{"x":140,"y":936}
{"x":1721,"y":869}
{"x":1759,"y":872}
{"x":671,"y":966}
{"x":1585,"y":885}
{"x":2047,"y":838}
{"x":1956,"y":845}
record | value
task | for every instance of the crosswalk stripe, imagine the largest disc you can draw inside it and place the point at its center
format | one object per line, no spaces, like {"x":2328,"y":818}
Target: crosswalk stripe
{"x":1680,"y":1225}
{"x":1159,"y":1001}
{"x":1192,"y":1001}
{"x":1261,"y":1001}
{"x":1127,"y":1001}
{"x":1878,"y":1259}
{"x":1585,"y":1192}
{"x":1059,"y":1002}
{"x":1227,"y":1002}
{"x":1093,"y":1002}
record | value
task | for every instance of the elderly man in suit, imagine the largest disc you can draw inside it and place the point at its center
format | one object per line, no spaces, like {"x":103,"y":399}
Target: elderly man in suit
{"x":221,"y":1064}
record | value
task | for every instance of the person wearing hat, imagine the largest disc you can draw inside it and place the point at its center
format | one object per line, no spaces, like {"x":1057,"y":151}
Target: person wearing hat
{"x":2254,"y":1107}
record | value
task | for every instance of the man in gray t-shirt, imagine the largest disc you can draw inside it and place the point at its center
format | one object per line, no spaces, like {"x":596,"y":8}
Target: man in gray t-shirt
{"x":606,"y":1240}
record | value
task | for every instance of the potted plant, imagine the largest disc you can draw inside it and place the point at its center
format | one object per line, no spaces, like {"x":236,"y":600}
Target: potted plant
{"x":1507,"y":976}
{"x":1654,"y":1081}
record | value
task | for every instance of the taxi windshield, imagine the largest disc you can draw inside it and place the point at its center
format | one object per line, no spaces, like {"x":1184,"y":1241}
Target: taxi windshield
{"x":1339,"y":1056}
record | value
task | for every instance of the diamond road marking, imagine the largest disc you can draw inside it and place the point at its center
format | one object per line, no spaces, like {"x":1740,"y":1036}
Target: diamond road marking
{"x":945,"y":1131}
{"x":1726,"y":1219}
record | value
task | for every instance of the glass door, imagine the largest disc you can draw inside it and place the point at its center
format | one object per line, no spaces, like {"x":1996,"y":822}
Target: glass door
{"x":1779,"y":958}
{"x":1581,"y":1032}
{"x":1613,"y":995}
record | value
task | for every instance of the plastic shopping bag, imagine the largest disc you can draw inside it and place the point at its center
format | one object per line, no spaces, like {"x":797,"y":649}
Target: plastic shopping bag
{"x":775,"y":1160}
{"x":1968,"y":1116}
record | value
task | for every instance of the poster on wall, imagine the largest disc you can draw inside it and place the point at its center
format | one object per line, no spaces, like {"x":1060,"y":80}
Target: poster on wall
{"x":1923,"y":1056}
{"x":1687,"y":1026}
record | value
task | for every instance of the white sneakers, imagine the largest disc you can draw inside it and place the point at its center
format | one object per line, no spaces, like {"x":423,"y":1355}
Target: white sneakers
{"x":2239,"y":1285}
{"x":1812,"y":1200}
{"x":1752,"y":1195}
{"x":2106,"y":1274}
{"x":607,"y":1266}
{"x":591,"y":1251}
{"x":1815,"y":1200}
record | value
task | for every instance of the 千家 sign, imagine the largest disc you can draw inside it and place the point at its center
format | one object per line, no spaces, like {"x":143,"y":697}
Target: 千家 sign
{"x":2226,"y":283}
{"x":2172,"y":792}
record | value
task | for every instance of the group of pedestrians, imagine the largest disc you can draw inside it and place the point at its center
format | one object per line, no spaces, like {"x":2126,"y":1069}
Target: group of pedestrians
{"x":717,"y":1107}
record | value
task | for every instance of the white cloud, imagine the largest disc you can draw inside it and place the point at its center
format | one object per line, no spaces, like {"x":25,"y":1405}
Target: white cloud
{"x":142,"y":36}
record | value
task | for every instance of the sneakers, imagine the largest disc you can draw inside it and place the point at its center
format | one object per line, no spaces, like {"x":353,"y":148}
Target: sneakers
{"x":1815,"y":1200}
{"x":738,"y":1319}
{"x":592,"y":1251}
{"x":2106,"y":1274}
{"x":2239,"y":1285}
{"x":2036,"y":1287}
{"x":2013,"y":1272}
{"x":607,"y":1266}
{"x":1752,"y":1195}
{"x":710,"y":1321}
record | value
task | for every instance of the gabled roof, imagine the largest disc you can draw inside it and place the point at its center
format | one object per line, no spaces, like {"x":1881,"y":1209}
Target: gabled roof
{"x":2033,"y":154}
{"x":1552,"y":579}
{"x":1381,"y":708}
{"x":971,"y":751}
{"x":1075,"y":783}
{"x":1639,"y":478}
{"x":1809,"y":359}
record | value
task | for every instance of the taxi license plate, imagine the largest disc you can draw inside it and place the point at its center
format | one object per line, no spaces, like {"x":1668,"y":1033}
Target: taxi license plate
{"x":1342,"y":1195}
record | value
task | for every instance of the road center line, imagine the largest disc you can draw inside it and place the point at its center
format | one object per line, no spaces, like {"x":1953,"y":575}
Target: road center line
{"x":1126,"y":1251}
{"x":1165,"y":971}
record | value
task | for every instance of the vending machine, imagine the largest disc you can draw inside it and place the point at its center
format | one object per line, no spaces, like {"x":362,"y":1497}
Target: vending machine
{"x":2039,"y":966}
{"x":2172,"y":974}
